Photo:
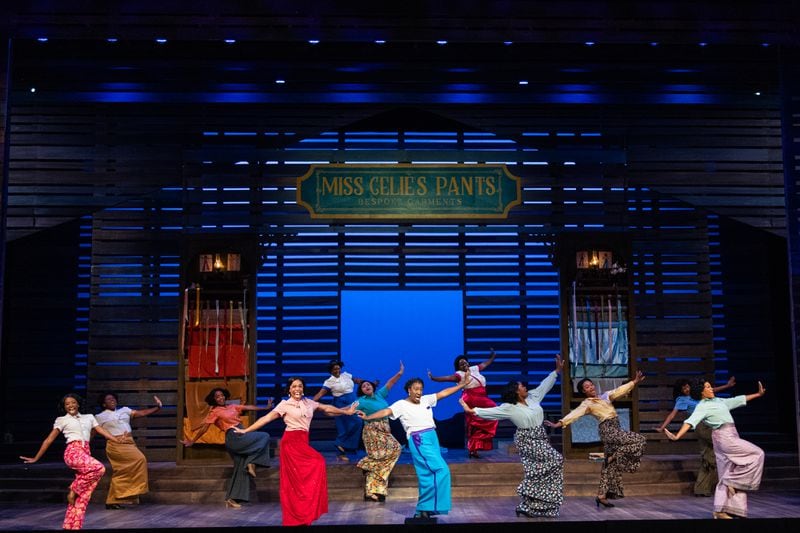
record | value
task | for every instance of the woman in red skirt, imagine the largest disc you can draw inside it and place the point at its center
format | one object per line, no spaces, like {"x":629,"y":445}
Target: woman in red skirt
{"x":304,"y":481}
{"x":77,"y":429}
{"x":480,"y":432}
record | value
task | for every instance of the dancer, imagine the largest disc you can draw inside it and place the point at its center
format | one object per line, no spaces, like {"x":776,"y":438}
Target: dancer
{"x":542,"y":489}
{"x":479,"y":432}
{"x":707,"y":475}
{"x":304,"y":481}
{"x":77,"y":429}
{"x":383,"y":450}
{"x":128,"y":463}
{"x":623,"y":449}
{"x":416,"y":414}
{"x":245,"y":450}
{"x":341,"y":386}
{"x":739,"y":463}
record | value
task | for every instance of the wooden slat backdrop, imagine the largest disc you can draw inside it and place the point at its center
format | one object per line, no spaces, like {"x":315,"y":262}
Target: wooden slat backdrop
{"x":674,"y":146}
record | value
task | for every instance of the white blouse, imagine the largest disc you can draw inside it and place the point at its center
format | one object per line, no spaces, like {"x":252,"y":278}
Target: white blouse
{"x":78,"y":427}
{"x":116,"y":422}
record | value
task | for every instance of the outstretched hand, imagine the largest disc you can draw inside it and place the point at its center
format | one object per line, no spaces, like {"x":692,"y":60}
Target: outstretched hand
{"x":467,"y":408}
{"x":639,"y":377}
{"x":158,"y":402}
{"x":731,"y":381}
{"x":28,"y":460}
{"x":559,"y":363}
{"x":553,"y":424}
{"x":670,"y":435}
{"x":761,"y":389}
{"x":403,"y":368}
{"x":352,"y":408}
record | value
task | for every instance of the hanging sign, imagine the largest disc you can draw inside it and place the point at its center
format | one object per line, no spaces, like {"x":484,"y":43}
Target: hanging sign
{"x":408,"y":191}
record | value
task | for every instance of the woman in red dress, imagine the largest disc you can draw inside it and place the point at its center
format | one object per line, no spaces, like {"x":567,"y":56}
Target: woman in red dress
{"x":480,"y":432}
{"x":304,"y":481}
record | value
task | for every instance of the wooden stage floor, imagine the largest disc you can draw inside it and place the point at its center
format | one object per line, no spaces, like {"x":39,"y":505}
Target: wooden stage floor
{"x":770,"y":512}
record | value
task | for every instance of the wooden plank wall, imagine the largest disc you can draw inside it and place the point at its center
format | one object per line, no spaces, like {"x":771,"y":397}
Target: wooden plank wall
{"x":147,"y":173}
{"x":791,"y":162}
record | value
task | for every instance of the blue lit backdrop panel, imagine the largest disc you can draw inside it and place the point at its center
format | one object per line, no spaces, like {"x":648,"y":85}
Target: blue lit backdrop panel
{"x":423,"y":328}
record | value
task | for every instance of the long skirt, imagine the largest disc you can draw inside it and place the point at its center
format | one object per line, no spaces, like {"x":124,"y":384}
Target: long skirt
{"x":383,"y":451}
{"x":623,"y":451}
{"x":244,"y":449}
{"x":707,"y":474}
{"x":128,"y":471}
{"x":480,"y":432}
{"x":304,"y":481}
{"x":740,"y":465}
{"x":348,"y":427}
{"x":433,"y":475}
{"x":88,"y":472}
{"x":541,"y":492}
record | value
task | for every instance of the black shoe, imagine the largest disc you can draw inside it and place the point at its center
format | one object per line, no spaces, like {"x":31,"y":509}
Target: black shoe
{"x":520,"y":512}
{"x":114,"y":506}
{"x":422,"y":514}
{"x":602,"y":502}
{"x":372,"y":498}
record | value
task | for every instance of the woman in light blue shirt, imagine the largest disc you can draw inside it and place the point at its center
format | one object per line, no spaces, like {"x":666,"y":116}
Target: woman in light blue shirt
{"x":739,"y":463}
{"x":707,"y":475}
{"x":542,"y":489}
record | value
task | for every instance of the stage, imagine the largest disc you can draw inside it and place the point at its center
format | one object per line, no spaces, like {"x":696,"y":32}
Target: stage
{"x":775,"y":511}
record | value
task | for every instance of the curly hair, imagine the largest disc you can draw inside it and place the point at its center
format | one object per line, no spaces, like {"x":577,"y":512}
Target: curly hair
{"x":696,"y":387}
{"x":62,"y":410}
{"x":459,"y":358}
{"x":580,"y":386}
{"x":210,"y":396}
{"x":509,"y":394}
{"x":361,"y":392}
{"x":335,"y":362}
{"x":101,"y":401}
{"x":677,"y":389}
{"x":410,"y":382}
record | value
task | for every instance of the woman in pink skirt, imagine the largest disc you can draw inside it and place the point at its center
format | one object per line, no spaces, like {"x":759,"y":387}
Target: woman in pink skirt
{"x":77,"y":429}
{"x":739,"y":463}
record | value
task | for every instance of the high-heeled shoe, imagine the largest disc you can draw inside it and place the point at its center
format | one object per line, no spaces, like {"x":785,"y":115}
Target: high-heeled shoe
{"x":474,"y":455}
{"x":371,"y":498}
{"x":721,"y":515}
{"x":520,"y":512}
{"x":602,"y":501}
{"x":422,"y":514}
{"x":233,"y":504}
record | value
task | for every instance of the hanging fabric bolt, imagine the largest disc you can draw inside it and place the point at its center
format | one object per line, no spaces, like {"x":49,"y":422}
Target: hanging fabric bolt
{"x":216,"y":341}
{"x":197,"y":301}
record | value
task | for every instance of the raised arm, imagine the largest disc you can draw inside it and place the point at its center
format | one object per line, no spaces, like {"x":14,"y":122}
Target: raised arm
{"x":488,"y":361}
{"x":455,"y":388}
{"x":148,"y":411}
{"x":759,"y":394}
{"x":392,"y":380}
{"x":43,"y":448}
{"x":730,"y":383}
